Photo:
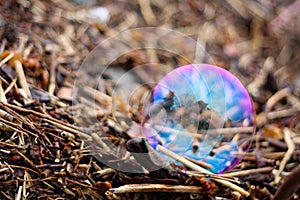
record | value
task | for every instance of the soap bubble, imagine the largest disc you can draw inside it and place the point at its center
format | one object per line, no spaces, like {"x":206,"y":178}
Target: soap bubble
{"x":198,"y":111}
{"x":202,"y":112}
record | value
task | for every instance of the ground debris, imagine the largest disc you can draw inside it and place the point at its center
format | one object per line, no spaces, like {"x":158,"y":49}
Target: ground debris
{"x":64,"y":129}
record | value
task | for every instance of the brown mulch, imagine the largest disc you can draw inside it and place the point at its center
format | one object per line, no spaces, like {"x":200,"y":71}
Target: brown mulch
{"x":53,"y":109}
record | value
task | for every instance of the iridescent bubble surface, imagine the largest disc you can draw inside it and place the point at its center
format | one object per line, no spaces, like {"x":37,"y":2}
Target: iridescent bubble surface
{"x":202,"y":112}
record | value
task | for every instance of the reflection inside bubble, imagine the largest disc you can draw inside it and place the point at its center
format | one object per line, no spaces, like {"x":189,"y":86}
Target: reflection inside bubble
{"x":202,"y":112}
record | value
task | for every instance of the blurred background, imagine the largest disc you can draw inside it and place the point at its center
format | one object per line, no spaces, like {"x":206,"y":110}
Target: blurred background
{"x":256,"y":40}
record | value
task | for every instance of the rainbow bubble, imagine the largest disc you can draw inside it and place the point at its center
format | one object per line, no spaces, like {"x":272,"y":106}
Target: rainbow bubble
{"x":202,"y":112}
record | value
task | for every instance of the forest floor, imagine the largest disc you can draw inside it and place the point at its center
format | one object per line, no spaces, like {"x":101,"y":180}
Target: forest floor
{"x":64,"y":122}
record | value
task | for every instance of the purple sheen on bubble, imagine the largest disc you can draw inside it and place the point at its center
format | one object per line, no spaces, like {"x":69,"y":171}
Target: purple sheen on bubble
{"x":199,"y":103}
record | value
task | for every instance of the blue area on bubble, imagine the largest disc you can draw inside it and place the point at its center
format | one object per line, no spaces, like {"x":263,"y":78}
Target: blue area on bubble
{"x":194,"y":99}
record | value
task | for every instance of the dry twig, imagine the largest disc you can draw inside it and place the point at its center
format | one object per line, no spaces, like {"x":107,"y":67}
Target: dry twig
{"x":201,"y":170}
{"x":287,"y":156}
